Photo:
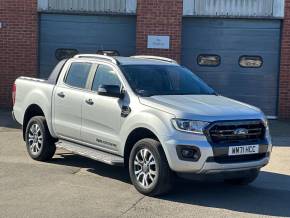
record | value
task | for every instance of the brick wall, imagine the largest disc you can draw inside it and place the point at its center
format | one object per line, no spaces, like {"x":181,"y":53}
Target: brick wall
{"x":18,"y":41}
{"x":284,"y":97}
{"x":159,"y":17}
{"x":18,"y":44}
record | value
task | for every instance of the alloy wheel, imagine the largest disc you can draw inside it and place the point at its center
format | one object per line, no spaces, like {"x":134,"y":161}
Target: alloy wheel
{"x":145,"y":169}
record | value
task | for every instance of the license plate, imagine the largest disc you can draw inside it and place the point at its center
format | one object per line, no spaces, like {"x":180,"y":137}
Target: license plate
{"x":243,"y":149}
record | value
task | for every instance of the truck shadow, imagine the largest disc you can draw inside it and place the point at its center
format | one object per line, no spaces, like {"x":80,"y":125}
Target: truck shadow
{"x":6,"y":120}
{"x":268,"y":195}
{"x":95,"y":167}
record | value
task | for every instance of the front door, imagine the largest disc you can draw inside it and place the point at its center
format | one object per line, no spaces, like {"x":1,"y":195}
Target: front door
{"x":102,"y":114}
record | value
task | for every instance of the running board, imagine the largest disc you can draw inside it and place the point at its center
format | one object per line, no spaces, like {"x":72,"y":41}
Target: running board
{"x":91,"y":153}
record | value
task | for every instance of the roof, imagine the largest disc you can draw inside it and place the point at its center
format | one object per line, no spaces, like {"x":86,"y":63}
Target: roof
{"x":133,"y":60}
{"x":141,"y":61}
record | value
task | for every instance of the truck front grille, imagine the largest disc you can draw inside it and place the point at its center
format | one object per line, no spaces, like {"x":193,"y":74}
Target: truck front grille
{"x":231,"y":132}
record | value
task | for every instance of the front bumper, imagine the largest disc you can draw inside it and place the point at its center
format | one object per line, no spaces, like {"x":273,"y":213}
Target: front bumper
{"x":203,"y":165}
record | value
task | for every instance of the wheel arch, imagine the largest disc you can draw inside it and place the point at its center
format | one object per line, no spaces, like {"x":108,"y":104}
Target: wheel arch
{"x":31,"y":111}
{"x":134,"y":136}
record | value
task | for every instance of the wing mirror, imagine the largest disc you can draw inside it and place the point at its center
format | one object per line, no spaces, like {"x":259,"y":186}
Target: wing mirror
{"x":111,"y":91}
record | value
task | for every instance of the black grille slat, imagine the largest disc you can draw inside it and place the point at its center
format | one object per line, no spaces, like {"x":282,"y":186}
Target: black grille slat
{"x":238,"y":159}
{"x":230,"y":135}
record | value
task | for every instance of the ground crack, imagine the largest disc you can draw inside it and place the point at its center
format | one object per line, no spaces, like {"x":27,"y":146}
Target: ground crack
{"x":133,"y":205}
{"x":77,"y":171}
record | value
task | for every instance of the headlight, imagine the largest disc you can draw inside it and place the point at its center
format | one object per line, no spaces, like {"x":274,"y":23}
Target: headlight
{"x":192,"y":126}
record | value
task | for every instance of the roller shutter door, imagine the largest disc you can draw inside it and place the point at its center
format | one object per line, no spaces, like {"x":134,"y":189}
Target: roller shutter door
{"x":86,"y":34}
{"x":215,"y":48}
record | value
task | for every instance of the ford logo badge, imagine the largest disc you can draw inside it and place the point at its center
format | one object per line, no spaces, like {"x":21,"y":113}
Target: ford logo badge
{"x":241,"y":131}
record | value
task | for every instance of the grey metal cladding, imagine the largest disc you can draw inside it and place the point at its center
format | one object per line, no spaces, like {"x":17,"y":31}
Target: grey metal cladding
{"x":230,"y":39}
{"x":89,"y":6}
{"x":235,"y":8}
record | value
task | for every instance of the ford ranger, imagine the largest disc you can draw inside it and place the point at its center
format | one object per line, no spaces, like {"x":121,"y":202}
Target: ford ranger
{"x":146,"y":113}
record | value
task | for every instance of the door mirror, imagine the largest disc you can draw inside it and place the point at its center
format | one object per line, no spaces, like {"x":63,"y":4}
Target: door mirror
{"x":111,"y":91}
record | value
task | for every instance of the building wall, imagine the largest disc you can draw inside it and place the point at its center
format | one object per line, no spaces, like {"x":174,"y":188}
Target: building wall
{"x":19,"y":41}
{"x":18,"y":44}
{"x":284,"y":96}
{"x":159,"y":17}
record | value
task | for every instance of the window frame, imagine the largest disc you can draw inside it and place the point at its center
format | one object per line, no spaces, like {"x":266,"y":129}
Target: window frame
{"x":207,"y":65}
{"x":88,"y":78}
{"x":94,"y":73}
{"x":251,"y":56}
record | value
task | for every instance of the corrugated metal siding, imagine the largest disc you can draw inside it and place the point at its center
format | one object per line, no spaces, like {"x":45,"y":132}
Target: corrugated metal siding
{"x":89,"y":6}
{"x":239,"y":8}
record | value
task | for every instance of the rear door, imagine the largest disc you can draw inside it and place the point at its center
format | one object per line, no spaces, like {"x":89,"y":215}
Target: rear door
{"x":102,"y":114}
{"x":68,"y":97}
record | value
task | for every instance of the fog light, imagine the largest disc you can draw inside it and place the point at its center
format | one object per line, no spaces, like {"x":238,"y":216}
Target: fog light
{"x":187,"y":153}
{"x":190,"y":153}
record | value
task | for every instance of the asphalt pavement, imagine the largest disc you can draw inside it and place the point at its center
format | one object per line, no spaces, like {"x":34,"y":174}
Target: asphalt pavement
{"x":74,"y":186}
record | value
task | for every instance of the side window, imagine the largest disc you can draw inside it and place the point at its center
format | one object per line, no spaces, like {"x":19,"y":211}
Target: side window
{"x":251,"y":61}
{"x":105,"y":75}
{"x":208,"y":60}
{"x":64,"y":53}
{"x":78,"y":74}
{"x":108,"y":52}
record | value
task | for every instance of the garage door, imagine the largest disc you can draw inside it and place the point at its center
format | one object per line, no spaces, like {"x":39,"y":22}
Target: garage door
{"x":239,"y":58}
{"x":85,"y":34}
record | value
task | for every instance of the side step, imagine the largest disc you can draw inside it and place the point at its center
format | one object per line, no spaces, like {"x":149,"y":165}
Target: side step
{"x":94,"y":154}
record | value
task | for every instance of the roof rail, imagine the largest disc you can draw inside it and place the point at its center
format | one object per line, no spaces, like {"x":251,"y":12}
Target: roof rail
{"x":150,"y":57}
{"x":104,"y":57}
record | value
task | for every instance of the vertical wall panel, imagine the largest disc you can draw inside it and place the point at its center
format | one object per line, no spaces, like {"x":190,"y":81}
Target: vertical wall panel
{"x":114,"y":6}
{"x":245,"y":8}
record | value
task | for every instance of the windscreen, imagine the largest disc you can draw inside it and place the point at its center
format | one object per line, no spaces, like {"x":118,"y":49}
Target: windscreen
{"x":148,"y":80}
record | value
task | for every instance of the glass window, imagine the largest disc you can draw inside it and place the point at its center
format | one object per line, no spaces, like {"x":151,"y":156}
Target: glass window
{"x":105,"y":75}
{"x":251,"y":61}
{"x":208,"y":60}
{"x":65,"y":53}
{"x":78,"y":74}
{"x":148,"y":80}
{"x":108,"y":52}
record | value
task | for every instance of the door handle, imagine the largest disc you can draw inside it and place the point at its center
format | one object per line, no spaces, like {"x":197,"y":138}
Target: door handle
{"x":61,"y":94}
{"x":89,"y":102}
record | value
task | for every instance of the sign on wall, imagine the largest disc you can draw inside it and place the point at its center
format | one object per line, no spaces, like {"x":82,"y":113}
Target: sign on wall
{"x":160,"y":42}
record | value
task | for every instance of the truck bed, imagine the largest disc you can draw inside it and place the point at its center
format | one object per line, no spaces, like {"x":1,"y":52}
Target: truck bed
{"x":32,"y":91}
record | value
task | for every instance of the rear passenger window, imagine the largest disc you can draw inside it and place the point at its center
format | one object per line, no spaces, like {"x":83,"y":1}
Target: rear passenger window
{"x":105,"y":75}
{"x":78,"y":74}
{"x":251,"y":61}
{"x":208,"y":60}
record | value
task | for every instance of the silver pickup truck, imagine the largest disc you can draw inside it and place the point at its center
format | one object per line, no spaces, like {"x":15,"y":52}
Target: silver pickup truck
{"x":146,"y":113}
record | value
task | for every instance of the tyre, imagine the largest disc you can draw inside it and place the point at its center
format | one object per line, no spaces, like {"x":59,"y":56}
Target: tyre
{"x":244,"y":180}
{"x":40,"y":144}
{"x":149,"y":169}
